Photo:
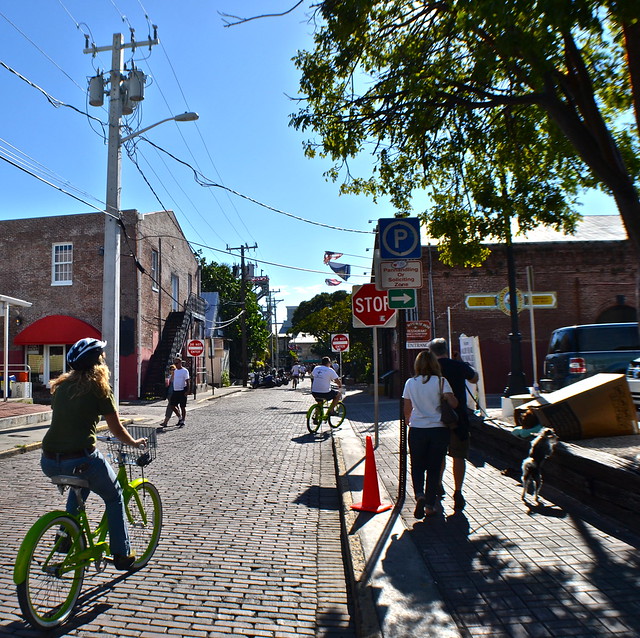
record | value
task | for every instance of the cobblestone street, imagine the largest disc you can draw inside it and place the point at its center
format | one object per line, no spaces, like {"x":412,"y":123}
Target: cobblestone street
{"x":251,"y":537}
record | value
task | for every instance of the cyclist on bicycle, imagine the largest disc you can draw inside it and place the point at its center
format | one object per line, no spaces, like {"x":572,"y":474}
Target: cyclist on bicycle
{"x":69,"y":446}
{"x":295,"y":373}
{"x":321,"y":378}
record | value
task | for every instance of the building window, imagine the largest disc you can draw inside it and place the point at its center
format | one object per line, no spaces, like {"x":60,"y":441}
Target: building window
{"x":155,"y":271}
{"x":175,"y":293}
{"x":62,"y":265}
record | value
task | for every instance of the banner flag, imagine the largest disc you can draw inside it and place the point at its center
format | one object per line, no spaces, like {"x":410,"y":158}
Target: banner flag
{"x":328,"y":256}
{"x":344,"y":270}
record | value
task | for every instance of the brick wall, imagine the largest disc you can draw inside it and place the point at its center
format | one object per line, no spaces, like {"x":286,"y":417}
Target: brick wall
{"x":26,"y":249}
{"x":589,"y":279}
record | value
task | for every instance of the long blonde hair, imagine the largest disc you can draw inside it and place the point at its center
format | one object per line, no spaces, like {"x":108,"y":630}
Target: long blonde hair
{"x":96,"y":379}
{"x":426,"y":365}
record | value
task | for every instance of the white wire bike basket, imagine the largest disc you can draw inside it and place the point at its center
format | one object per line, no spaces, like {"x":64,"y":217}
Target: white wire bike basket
{"x":122,"y":454}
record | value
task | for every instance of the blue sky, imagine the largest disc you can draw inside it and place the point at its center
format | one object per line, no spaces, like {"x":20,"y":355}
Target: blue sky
{"x":240,"y":80}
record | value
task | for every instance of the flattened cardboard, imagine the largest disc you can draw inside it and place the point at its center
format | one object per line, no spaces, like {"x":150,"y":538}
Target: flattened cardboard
{"x":598,"y":406}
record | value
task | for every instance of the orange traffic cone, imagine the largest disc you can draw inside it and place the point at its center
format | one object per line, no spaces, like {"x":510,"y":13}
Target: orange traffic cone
{"x":371,"y":493}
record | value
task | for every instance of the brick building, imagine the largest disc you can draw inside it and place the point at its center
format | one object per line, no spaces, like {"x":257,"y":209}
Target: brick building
{"x":56,"y":264}
{"x":592,"y":275}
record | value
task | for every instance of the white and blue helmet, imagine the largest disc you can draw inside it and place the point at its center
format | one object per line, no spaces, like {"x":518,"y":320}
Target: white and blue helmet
{"x":84,"y":354}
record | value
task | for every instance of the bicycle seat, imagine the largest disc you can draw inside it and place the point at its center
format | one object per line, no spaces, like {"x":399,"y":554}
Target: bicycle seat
{"x":71,"y":481}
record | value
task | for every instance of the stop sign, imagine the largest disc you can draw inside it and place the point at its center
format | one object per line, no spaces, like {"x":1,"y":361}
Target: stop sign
{"x":339,"y":343}
{"x":195,"y":347}
{"x":370,"y":307}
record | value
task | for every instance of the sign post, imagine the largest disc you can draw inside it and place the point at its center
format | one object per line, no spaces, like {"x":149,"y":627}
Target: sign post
{"x":340,"y":343}
{"x":370,"y":308}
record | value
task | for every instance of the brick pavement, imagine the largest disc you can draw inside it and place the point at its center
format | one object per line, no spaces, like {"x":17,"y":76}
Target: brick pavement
{"x":504,"y":571}
{"x":251,"y":538}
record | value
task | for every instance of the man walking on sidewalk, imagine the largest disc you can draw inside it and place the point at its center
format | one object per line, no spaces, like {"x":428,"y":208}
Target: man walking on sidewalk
{"x":180,"y":382}
{"x":457,"y":373}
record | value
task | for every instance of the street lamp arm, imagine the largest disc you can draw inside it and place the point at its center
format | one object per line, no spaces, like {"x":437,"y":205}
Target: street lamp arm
{"x":182,"y":117}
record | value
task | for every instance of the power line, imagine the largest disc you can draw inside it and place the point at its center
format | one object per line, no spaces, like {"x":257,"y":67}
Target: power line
{"x":205,"y":182}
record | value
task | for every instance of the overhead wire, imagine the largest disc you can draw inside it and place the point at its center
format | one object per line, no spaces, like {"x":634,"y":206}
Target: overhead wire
{"x":202,"y":180}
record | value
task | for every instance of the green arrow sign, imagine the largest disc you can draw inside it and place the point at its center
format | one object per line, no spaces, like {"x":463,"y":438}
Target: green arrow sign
{"x":402,"y":298}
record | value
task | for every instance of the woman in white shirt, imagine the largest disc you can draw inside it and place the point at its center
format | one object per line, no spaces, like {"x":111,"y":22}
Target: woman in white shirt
{"x":428,"y":436}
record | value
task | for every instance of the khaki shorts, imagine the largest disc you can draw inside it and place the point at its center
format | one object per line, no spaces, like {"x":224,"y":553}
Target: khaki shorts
{"x":459,"y":449}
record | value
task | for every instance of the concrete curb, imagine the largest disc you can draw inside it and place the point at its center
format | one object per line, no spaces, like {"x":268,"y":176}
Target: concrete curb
{"x":394,"y":592}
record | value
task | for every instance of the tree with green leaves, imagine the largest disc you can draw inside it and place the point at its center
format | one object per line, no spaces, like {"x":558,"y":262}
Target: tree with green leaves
{"x":503,"y":112}
{"x":220,"y":278}
{"x":330,"y":313}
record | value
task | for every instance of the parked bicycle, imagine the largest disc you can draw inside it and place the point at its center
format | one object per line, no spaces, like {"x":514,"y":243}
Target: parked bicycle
{"x":320,"y":412}
{"x":50,"y":565}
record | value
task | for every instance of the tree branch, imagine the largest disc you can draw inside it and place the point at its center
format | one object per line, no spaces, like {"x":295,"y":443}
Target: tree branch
{"x":237,"y":20}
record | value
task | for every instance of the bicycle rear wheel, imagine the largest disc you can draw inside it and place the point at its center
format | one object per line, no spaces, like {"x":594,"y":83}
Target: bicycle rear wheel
{"x":53,"y":580}
{"x":337,"y":417}
{"x":314,"y":418}
{"x":144,"y":514}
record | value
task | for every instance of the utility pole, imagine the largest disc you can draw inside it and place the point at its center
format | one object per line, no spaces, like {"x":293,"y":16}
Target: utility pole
{"x":243,"y":318}
{"x":271,"y":317}
{"x":111,"y":263}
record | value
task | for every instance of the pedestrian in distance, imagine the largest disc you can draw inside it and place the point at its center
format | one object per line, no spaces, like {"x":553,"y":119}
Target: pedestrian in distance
{"x":321,"y":378}
{"x":179,"y":390}
{"x":80,"y":397}
{"x":457,"y":373}
{"x":428,"y":435}
{"x":169,"y":384}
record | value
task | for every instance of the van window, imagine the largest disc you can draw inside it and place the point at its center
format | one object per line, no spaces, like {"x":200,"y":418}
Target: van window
{"x":608,"y":338}
{"x":562,"y":341}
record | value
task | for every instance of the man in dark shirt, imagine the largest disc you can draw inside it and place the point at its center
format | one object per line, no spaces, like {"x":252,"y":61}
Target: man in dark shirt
{"x":457,"y":373}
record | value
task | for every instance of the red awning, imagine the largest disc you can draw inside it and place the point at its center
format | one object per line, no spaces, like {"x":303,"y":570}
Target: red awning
{"x":55,"y":330}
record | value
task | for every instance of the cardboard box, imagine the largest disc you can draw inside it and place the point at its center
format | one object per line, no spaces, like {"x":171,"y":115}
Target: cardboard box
{"x":600,"y":405}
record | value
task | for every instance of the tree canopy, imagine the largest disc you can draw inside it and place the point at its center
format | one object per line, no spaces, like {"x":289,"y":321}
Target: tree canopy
{"x":498,"y":110}
{"x":330,"y":313}
{"x":219,"y":278}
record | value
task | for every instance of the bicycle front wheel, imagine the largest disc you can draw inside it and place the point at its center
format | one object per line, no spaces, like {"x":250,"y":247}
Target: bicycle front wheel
{"x":54,"y":578}
{"x":314,"y":418}
{"x":337,"y":416}
{"x":144,"y":514}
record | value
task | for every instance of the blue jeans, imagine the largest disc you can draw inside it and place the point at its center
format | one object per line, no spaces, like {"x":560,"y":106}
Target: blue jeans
{"x":427,"y":449}
{"x":103,"y":481}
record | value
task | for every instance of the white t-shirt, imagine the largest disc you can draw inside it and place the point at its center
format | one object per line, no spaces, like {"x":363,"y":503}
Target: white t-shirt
{"x":295,"y":371}
{"x":322,"y":378}
{"x":425,"y":399}
{"x":180,"y":378}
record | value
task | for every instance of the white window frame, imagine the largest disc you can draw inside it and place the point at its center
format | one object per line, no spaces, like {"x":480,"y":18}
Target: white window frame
{"x":175,"y":292}
{"x":155,"y":270}
{"x":57,"y":263}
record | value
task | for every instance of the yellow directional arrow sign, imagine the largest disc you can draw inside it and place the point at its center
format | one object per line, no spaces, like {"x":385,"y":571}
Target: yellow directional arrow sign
{"x":491,"y":300}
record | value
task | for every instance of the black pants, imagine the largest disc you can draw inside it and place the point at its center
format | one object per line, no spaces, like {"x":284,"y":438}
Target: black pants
{"x":427,"y":450}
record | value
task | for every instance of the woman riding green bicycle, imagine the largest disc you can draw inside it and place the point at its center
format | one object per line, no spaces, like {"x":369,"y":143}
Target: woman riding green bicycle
{"x":80,"y":397}
{"x":322,"y":377}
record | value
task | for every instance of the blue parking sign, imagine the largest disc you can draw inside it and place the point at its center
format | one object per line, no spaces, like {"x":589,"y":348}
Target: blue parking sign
{"x":400,"y":238}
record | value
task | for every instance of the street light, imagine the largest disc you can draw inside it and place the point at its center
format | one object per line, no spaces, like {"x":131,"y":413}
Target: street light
{"x":189,"y":116}
{"x":111,"y":270}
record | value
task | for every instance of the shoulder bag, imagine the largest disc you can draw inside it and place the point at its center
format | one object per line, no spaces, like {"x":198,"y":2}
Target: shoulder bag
{"x":447,"y":414}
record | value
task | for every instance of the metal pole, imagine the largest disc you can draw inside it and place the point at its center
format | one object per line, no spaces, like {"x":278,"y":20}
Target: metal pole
{"x":534,"y":357}
{"x":375,"y":386}
{"x":516,"y":383}
{"x":111,"y":269}
{"x":6,"y":353}
{"x":402,"y":344}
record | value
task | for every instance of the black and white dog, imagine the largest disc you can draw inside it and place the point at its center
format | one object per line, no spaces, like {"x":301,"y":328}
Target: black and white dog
{"x":541,"y":449}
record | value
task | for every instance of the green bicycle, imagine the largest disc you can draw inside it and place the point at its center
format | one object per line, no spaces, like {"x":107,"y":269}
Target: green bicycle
{"x":318,"y":413}
{"x":51,"y":562}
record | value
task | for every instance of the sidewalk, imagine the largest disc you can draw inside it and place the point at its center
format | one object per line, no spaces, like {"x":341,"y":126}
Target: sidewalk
{"x":22,"y":425}
{"x":495,"y":569}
